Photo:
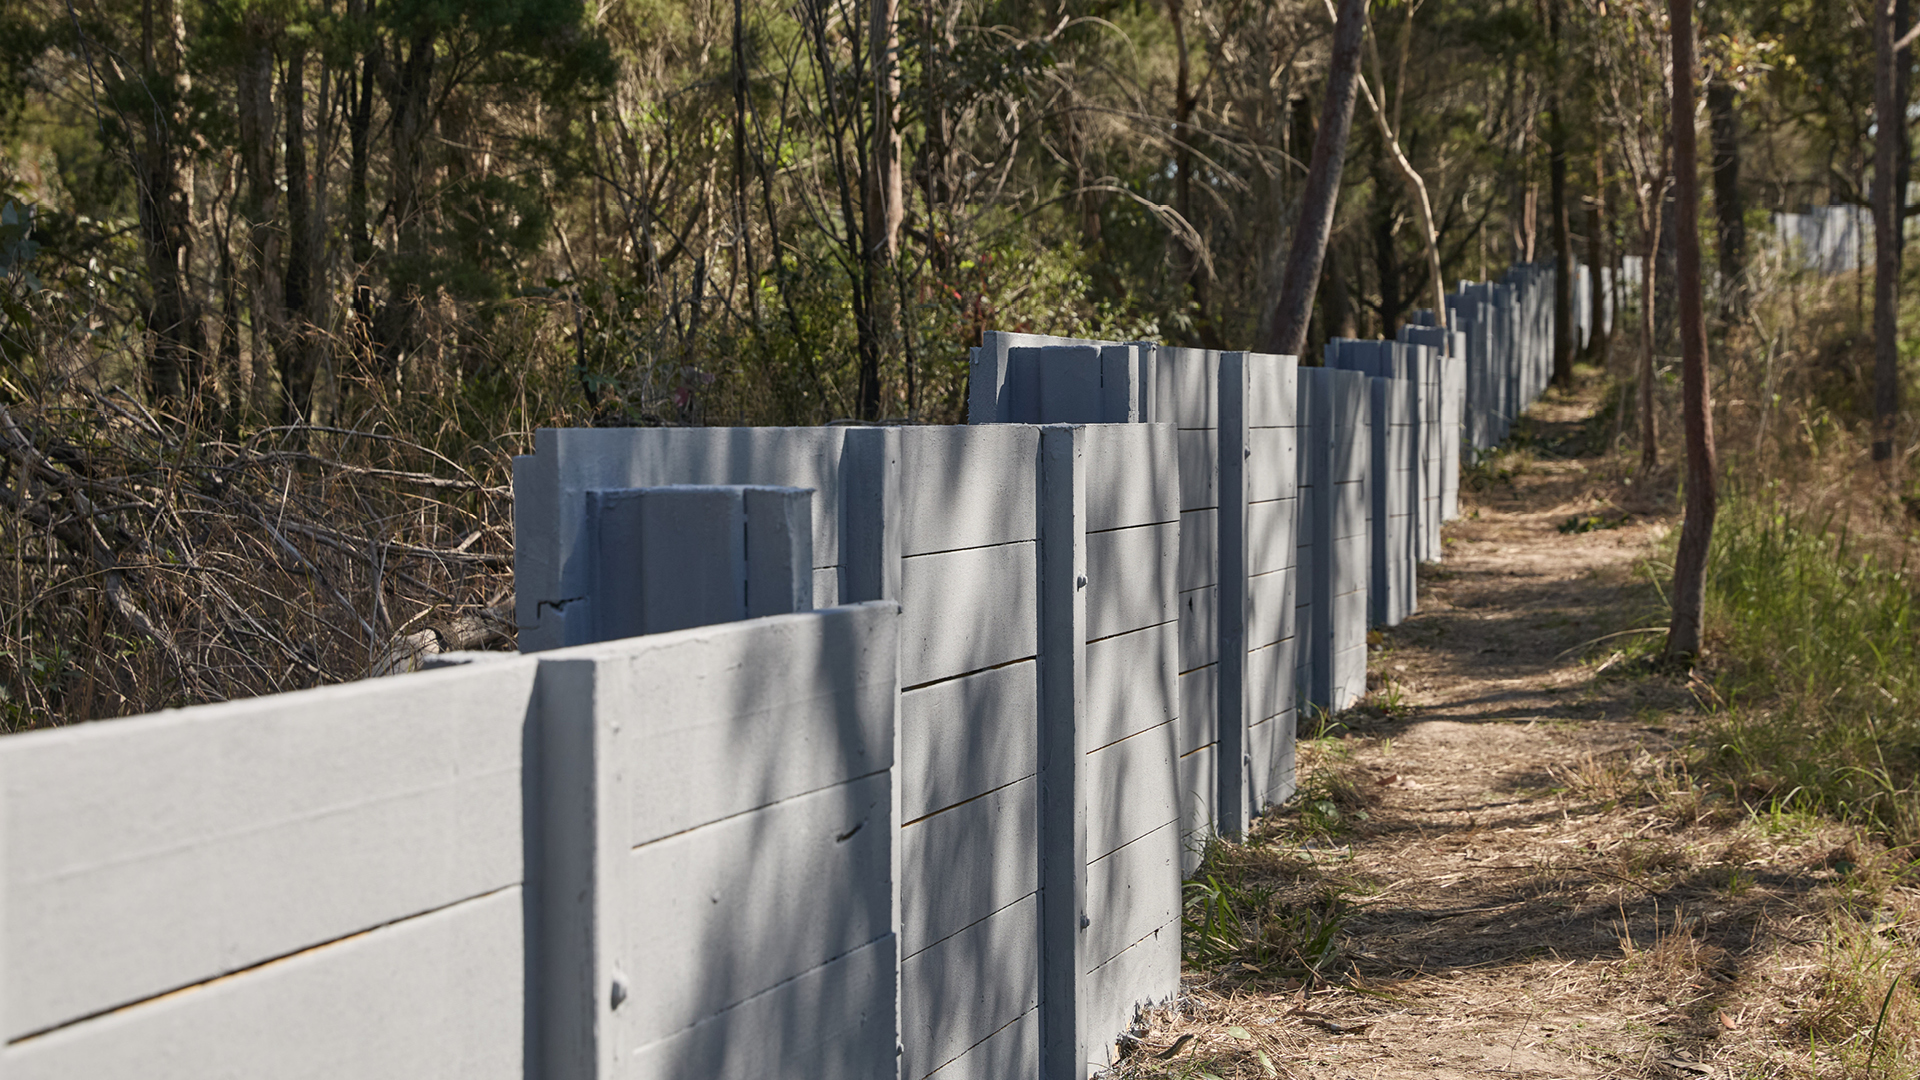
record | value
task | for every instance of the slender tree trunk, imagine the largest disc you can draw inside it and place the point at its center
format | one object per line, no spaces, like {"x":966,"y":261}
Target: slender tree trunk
{"x":1650,"y":220}
{"x":1386,"y":254}
{"x":1193,"y":264}
{"x":1886,"y":233}
{"x":1284,"y":330}
{"x":409,"y":96}
{"x":1696,"y":532}
{"x":1902,"y":93}
{"x":1416,"y":186}
{"x":885,"y":208}
{"x":177,"y":340}
{"x":1726,"y":200}
{"x":359,"y":220}
{"x":296,"y":353}
{"x":742,"y":222}
{"x":1563,"y":330}
{"x":1600,"y":253}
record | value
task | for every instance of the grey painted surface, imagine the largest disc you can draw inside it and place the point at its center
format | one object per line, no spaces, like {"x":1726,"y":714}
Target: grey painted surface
{"x":153,"y":854}
{"x":438,"y":995}
{"x":1335,"y":541}
{"x":552,"y":553}
{"x":968,"y":503}
{"x":668,"y":923}
{"x":667,"y":558}
{"x":1023,"y":803}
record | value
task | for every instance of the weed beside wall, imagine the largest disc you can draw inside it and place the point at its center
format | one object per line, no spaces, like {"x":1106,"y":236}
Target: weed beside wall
{"x":1822,"y":671}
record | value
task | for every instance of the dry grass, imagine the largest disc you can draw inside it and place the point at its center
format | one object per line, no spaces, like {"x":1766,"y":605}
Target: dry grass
{"x":145,"y":563}
{"x":1543,"y":868}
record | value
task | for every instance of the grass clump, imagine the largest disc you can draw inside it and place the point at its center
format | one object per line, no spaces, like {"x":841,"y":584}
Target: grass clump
{"x":1822,"y":669}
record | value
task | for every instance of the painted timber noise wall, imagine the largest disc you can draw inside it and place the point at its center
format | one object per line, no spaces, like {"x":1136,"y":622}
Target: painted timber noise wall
{"x":839,"y":752}
{"x":573,"y":865}
{"x":1037,"y":849}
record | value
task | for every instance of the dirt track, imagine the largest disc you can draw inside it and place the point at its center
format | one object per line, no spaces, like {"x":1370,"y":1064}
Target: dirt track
{"x":1533,"y":885}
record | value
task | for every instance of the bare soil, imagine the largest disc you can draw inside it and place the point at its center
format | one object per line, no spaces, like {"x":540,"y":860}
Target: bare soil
{"x":1531,"y":880}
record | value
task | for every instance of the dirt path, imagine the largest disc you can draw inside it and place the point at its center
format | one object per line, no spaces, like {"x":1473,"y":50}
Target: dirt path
{"x":1522,"y":877}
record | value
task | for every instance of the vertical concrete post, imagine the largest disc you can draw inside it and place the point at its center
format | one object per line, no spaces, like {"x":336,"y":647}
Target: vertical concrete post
{"x":1231,"y":761}
{"x":667,"y":558}
{"x":1122,"y":384}
{"x":1065,"y":1050}
{"x":870,"y":515}
{"x":572,"y":847}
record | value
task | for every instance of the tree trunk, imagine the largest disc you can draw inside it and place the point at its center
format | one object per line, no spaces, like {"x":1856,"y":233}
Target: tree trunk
{"x":1600,"y":253}
{"x":1726,"y":200}
{"x":177,"y":342}
{"x":885,"y":209}
{"x":1902,"y":94}
{"x":1192,"y":265}
{"x":1562,"y":232}
{"x":1650,"y":220}
{"x":1416,"y":186}
{"x":1284,"y":330}
{"x":1696,"y":532}
{"x":1886,"y":233}
{"x":296,"y":353}
{"x":1386,"y":254}
{"x":409,"y":94}
{"x":359,"y":221}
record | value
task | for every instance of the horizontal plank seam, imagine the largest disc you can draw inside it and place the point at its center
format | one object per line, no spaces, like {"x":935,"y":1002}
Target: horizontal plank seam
{"x":724,"y":1010}
{"x":1131,"y":735}
{"x":969,"y":799}
{"x":1136,"y":630}
{"x":257,"y":965}
{"x":965,"y":674}
{"x":905,"y":555}
{"x":1275,"y":716}
{"x":1016,"y":901}
{"x":1135,"y":525}
{"x":1172,"y":822}
{"x":709,"y":823}
{"x":982,"y":1042}
{"x":1202,"y":667}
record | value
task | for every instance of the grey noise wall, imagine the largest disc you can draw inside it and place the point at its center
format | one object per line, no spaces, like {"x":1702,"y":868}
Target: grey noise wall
{"x":554,"y":556}
{"x":664,"y":856}
{"x":1129,"y":953}
{"x":1259,"y":396}
{"x":719,"y":827}
{"x":336,"y":874}
{"x":936,"y":828}
{"x":1335,"y":542}
{"x":962,"y":507}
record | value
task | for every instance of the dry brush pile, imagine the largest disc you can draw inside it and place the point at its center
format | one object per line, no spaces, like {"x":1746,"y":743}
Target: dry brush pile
{"x":148,"y":563}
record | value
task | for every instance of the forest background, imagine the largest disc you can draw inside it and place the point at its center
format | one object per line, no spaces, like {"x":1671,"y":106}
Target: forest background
{"x":288,"y":283}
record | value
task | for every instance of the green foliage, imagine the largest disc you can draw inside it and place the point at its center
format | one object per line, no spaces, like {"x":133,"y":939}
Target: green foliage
{"x":1250,"y":912}
{"x":1823,"y":681}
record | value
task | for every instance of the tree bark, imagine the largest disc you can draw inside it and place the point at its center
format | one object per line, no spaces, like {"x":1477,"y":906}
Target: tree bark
{"x":177,"y":340}
{"x":1562,"y":231}
{"x":409,"y":92}
{"x":1886,"y":232}
{"x":1649,"y":269}
{"x":1416,"y":186}
{"x":1902,"y":93}
{"x":1696,"y":532}
{"x":1600,"y":253}
{"x":296,"y":354}
{"x":1726,"y":200}
{"x":1284,"y":330}
{"x":885,"y":208}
